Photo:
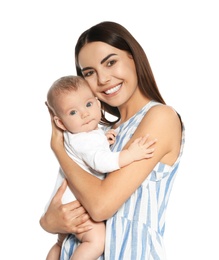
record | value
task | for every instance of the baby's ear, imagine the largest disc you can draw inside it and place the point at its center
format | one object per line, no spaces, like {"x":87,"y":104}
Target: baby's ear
{"x":59,"y":123}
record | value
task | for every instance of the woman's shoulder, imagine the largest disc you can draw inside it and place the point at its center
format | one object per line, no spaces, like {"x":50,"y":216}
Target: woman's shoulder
{"x":163,"y":112}
{"x":163,"y":121}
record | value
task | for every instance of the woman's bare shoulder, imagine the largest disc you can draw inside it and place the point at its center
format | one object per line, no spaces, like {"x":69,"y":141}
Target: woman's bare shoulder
{"x":161,"y":111}
{"x":161,"y":116}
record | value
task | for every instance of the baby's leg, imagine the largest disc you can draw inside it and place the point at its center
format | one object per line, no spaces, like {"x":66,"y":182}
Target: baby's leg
{"x":54,"y":253}
{"x":92,"y":243}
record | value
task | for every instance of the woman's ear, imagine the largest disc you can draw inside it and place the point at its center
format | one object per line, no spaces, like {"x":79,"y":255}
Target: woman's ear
{"x":59,"y":123}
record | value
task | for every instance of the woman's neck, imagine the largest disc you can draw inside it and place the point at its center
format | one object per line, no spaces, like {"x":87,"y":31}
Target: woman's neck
{"x":131,"y":107}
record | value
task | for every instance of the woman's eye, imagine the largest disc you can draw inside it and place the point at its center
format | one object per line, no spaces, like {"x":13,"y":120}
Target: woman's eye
{"x":73,"y":112}
{"x":89,"y":104}
{"x":88,"y":74}
{"x":110,"y":63}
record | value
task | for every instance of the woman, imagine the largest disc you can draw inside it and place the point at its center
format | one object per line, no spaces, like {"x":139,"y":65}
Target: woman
{"x":133,"y":200}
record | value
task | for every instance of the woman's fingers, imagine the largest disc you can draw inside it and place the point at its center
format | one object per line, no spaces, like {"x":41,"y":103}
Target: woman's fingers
{"x":59,"y":194}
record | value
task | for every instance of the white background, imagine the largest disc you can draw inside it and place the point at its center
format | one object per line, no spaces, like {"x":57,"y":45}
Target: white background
{"x":37,"y":46}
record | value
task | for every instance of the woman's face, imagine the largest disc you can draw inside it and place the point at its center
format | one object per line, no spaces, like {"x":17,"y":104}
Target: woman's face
{"x":110,"y":72}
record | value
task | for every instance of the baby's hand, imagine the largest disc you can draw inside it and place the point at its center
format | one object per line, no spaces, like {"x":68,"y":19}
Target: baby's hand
{"x":141,"y":148}
{"x":111,"y":136}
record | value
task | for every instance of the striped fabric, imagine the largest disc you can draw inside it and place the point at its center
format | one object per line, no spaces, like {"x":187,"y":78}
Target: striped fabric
{"x":136,"y":231}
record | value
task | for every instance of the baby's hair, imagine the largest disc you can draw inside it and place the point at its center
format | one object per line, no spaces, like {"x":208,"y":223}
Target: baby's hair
{"x":63,"y":85}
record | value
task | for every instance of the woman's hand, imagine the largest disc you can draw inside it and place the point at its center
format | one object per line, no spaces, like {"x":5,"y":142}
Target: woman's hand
{"x":57,"y":140}
{"x":64,"y":218}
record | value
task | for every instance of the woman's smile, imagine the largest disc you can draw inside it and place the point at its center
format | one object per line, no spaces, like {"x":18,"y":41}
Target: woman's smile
{"x":113,"y":90}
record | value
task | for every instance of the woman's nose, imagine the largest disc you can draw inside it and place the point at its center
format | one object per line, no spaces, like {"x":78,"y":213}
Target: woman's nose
{"x":103,"y":78}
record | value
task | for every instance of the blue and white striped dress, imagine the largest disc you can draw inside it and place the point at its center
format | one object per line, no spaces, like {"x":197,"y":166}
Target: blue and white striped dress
{"x":136,"y":230}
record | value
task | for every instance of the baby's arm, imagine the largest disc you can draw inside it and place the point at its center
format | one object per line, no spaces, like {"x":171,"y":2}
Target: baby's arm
{"x":138,"y":150}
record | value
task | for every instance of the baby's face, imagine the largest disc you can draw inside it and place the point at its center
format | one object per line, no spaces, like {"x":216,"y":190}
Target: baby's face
{"x":80,"y":111}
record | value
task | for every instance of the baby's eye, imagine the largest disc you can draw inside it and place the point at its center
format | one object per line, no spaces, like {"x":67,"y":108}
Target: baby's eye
{"x":73,"y":112}
{"x":89,"y":104}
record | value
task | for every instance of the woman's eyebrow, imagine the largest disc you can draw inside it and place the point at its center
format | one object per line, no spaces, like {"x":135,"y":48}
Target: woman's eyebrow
{"x":102,"y":61}
{"x":107,"y":57}
{"x":86,"y":68}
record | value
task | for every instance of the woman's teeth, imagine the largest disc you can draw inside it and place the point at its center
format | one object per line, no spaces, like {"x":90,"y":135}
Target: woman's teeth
{"x":113,"y":90}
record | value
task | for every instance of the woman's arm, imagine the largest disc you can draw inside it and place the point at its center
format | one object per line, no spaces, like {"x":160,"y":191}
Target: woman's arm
{"x":102,"y":198}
